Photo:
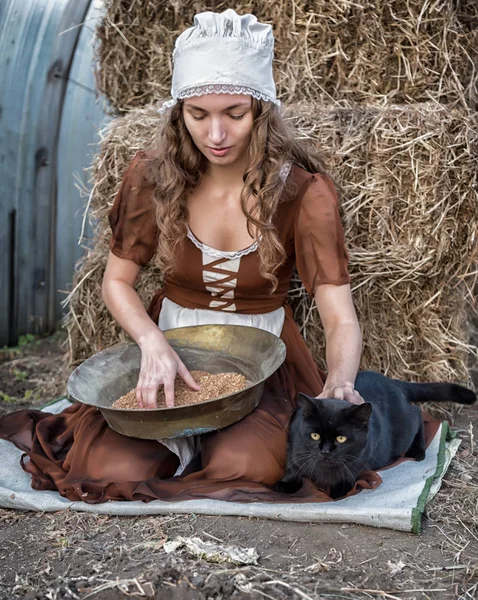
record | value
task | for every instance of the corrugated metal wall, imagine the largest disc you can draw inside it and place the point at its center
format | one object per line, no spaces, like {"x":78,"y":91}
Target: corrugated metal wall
{"x":83,"y":115}
{"x":39,"y":40}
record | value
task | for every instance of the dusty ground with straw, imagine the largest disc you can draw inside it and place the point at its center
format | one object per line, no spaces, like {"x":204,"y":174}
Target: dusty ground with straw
{"x":70,"y":555}
{"x":34,"y":370}
{"x":408,"y":178}
{"x":366,"y":51}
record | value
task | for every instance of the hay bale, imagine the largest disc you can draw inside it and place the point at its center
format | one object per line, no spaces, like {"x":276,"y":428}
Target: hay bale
{"x":408,"y":177}
{"x":365,"y":51}
{"x":409,"y":180}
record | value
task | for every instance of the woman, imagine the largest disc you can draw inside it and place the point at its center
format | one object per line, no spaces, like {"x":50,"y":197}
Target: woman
{"x":226,"y":205}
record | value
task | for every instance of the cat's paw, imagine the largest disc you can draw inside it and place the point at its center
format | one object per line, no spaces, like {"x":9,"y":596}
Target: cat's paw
{"x":286,"y":487}
{"x":417,"y":454}
{"x":340,"y":491}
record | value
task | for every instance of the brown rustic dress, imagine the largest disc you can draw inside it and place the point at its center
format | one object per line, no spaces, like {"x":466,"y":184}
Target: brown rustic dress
{"x":76,"y":452}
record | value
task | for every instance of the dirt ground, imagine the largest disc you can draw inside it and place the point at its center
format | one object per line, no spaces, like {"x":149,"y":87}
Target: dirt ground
{"x":72,"y":555}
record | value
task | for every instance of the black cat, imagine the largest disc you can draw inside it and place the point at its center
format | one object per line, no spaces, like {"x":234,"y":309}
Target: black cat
{"x":332,"y":441}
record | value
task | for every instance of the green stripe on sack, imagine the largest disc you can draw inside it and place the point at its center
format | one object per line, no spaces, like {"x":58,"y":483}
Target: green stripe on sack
{"x":417,"y":512}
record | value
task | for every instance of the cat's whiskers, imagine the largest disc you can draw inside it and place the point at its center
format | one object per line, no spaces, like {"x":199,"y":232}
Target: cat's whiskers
{"x":356,"y":460}
{"x":345,"y":469}
{"x":343,"y":472}
{"x":297,"y":460}
{"x":307,"y":463}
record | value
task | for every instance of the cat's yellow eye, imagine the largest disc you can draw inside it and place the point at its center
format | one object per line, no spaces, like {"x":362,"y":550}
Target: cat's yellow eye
{"x":315,"y":436}
{"x":341,"y":439}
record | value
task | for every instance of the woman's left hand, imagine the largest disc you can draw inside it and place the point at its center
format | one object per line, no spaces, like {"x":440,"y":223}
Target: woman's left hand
{"x":341,"y":391}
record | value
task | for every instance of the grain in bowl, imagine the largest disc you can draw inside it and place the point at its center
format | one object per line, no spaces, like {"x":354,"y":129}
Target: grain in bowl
{"x":212,"y":386}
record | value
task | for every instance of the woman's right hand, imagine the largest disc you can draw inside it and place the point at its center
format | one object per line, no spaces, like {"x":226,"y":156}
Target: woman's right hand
{"x":159,"y":366}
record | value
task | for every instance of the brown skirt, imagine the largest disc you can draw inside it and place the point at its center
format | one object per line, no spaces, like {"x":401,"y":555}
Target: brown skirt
{"x":77,"y":453}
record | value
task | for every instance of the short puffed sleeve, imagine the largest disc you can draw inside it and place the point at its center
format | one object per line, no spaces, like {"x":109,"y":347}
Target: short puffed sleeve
{"x":321,"y":255}
{"x":132,"y":218}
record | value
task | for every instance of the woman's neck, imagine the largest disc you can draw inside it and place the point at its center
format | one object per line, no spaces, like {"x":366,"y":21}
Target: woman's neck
{"x":228,"y":175}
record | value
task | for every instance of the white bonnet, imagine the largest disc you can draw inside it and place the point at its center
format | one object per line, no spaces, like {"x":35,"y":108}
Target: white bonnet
{"x":223,"y":53}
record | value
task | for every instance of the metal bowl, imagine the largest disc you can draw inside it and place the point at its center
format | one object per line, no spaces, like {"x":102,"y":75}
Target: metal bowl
{"x":110,"y":374}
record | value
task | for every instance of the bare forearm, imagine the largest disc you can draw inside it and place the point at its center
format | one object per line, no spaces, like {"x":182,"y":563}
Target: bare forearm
{"x":127,"y":309}
{"x":343,"y":339}
{"x":343,"y":351}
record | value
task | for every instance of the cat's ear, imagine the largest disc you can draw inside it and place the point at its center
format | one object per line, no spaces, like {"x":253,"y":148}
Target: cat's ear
{"x":360,"y":413}
{"x":306,"y":404}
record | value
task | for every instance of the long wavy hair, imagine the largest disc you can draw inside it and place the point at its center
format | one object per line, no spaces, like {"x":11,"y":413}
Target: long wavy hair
{"x":178,"y":166}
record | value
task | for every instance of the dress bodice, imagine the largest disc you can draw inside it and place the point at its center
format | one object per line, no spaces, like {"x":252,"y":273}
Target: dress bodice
{"x":307,"y":223}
